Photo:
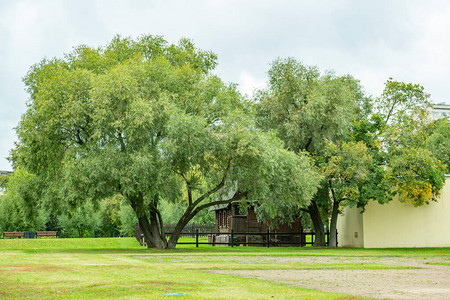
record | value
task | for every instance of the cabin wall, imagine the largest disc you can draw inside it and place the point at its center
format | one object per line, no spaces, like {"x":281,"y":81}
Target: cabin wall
{"x":252,"y":222}
{"x":223,"y":220}
{"x":227,"y":220}
{"x":294,"y":227}
{"x":238,"y":223}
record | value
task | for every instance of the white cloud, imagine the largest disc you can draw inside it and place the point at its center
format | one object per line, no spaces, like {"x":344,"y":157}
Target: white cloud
{"x":248,"y":83}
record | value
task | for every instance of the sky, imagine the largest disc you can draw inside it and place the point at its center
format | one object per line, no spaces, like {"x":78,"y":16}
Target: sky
{"x":371,"y":40}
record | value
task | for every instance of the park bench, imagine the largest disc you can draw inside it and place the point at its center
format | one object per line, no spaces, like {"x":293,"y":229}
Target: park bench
{"x":19,"y":234}
{"x":47,"y":233}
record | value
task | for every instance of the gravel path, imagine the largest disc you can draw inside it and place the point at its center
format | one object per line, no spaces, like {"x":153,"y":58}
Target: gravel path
{"x":427,"y":282}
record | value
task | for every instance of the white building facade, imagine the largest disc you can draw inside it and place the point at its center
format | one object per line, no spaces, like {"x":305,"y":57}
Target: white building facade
{"x":397,"y":224}
{"x":440,"y":111}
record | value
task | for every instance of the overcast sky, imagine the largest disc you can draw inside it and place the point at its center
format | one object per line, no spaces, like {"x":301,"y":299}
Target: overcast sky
{"x":371,"y":40}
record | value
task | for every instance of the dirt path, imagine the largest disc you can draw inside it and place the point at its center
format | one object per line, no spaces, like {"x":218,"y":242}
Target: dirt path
{"x":427,"y":282}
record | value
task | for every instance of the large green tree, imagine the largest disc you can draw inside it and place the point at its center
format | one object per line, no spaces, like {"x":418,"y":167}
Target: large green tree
{"x":149,"y":121}
{"x":415,"y":174}
{"x":308,"y":110}
{"x":347,"y":169}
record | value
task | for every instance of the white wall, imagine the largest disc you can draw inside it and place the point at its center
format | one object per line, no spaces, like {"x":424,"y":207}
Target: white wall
{"x":398,"y":224}
{"x":350,"y":228}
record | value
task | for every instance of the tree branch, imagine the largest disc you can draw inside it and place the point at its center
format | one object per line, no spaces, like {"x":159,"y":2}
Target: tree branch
{"x":161,"y":225}
{"x":122,"y":143}
{"x":189,"y":189}
{"x":332,"y":192}
{"x":391,"y":110}
{"x":79,"y":139}
{"x":305,"y":210}
{"x":237,"y":196}
{"x":310,"y":140}
{"x":216,"y":188}
{"x":307,"y":144}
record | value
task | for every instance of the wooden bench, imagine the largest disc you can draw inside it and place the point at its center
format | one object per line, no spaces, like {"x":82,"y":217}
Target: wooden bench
{"x":46,"y":233}
{"x":19,"y":234}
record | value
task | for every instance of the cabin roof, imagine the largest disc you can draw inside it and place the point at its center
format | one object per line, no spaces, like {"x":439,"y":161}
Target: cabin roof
{"x":227,"y":194}
{"x":223,"y":206}
{"x":219,"y":207}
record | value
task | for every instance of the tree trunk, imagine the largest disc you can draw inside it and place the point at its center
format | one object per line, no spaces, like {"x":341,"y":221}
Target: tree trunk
{"x":179,"y":227}
{"x":151,"y":232}
{"x":176,"y":234}
{"x":333,"y":223}
{"x":153,"y":236}
{"x":314,"y":213}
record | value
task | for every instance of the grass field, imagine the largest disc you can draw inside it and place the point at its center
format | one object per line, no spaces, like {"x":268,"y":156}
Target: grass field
{"x":120,"y":268}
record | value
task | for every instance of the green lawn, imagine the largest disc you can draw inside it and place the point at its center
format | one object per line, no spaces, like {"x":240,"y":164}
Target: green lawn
{"x":120,"y":268}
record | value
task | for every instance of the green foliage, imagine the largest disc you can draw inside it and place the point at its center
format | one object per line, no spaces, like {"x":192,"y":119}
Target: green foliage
{"x":307,"y":111}
{"x":364,"y":147}
{"x":127,"y":219}
{"x":3,"y":181}
{"x":173,"y":211}
{"x":403,"y":103}
{"x":19,"y":206}
{"x":414,"y":173}
{"x":282,"y":189}
{"x":404,"y":109}
{"x":417,"y":176}
{"x":376,"y":185}
{"x":81,"y":221}
{"x":347,"y":167}
{"x":147,"y":120}
{"x":305,"y":108}
{"x":439,"y":142}
{"x":110,"y":216}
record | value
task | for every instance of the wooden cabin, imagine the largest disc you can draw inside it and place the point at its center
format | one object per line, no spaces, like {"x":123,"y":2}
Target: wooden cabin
{"x":233,"y":217}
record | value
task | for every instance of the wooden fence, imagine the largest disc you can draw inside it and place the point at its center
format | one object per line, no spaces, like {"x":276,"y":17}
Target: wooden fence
{"x":268,"y":239}
{"x":191,"y":229}
{"x":232,"y":238}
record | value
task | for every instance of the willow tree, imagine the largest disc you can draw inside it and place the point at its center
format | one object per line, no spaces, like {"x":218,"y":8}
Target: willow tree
{"x":308,"y":110}
{"x":149,"y":121}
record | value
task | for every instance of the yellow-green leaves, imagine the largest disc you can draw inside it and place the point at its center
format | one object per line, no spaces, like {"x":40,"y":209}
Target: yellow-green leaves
{"x":347,"y":166}
{"x":416,"y":176}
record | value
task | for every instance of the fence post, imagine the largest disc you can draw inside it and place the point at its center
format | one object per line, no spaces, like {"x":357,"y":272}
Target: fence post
{"x":196,"y":237}
{"x":268,"y":238}
{"x":232,"y":238}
